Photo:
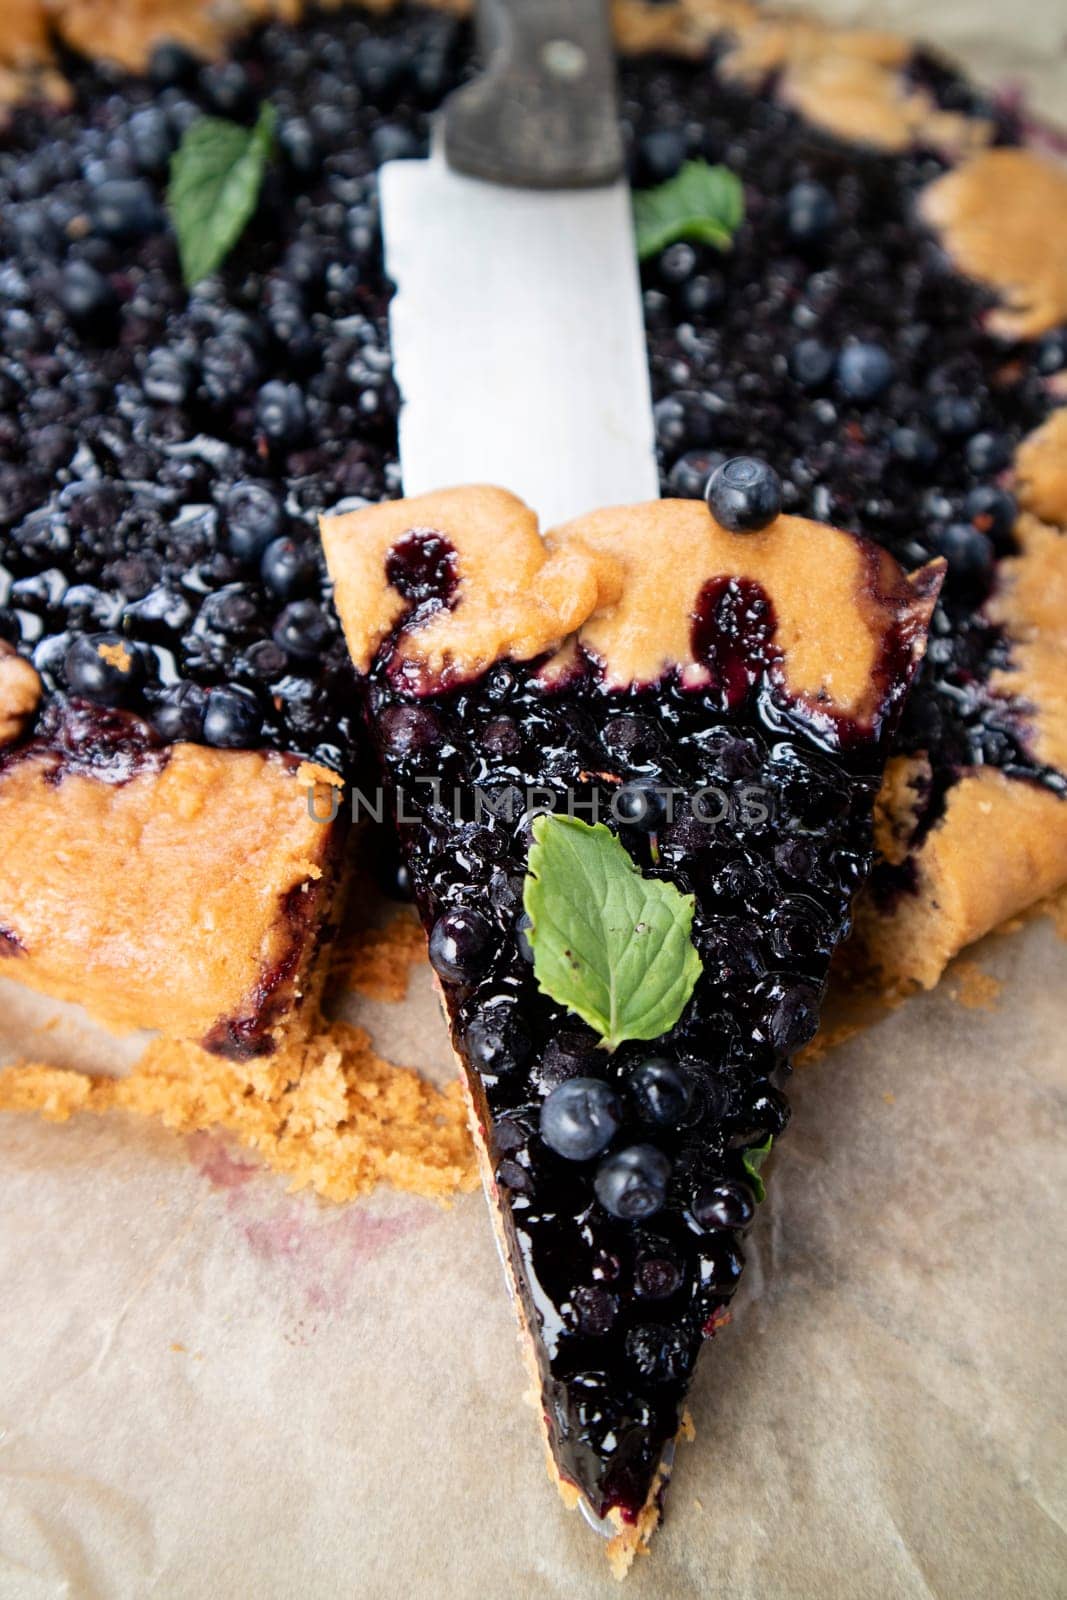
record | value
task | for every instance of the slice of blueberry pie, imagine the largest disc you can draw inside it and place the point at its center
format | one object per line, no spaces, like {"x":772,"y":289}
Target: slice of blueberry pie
{"x":633,"y":765}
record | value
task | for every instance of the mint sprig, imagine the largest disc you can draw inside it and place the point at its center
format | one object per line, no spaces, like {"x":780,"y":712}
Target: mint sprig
{"x":216,"y":174}
{"x":701,"y":203}
{"x":752,"y":1160}
{"x":612,"y":946}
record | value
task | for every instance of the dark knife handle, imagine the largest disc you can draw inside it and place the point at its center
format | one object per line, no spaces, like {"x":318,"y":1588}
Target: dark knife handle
{"x":543,"y":113}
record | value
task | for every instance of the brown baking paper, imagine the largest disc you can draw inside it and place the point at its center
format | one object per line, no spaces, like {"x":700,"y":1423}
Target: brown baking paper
{"x":210,"y":1387}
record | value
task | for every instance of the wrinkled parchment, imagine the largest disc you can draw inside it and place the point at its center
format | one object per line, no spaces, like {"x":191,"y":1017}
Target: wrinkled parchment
{"x":211,"y":1388}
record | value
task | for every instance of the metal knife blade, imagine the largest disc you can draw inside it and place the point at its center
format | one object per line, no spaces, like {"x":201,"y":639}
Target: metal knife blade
{"x":517,"y":335}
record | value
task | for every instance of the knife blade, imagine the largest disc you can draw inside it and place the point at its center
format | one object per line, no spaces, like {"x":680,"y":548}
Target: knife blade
{"x":516,"y":327}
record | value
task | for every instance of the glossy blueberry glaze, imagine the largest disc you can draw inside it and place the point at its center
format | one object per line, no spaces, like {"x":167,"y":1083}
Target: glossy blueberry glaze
{"x":621,"y":1306}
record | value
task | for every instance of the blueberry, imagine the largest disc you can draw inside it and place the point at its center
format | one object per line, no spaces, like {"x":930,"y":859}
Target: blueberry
{"x":297,"y":142}
{"x":232,"y":719}
{"x":916,"y":446}
{"x":811,"y":362}
{"x":303,"y":629}
{"x":151,"y":139}
{"x":253,"y":519}
{"x":1052,"y":352}
{"x":955,"y":415}
{"x":660,"y":153}
{"x":85,"y":294}
{"x":124,"y":209}
{"x":167,"y":378}
{"x":103,"y":667}
{"x":660,"y":1354}
{"x":229,"y":366}
{"x":280,"y":412}
{"x":969,"y":552}
{"x":580,"y":1118}
{"x":688,"y":478}
{"x":460,"y":945}
{"x":639,"y":805}
{"x":702,"y":294}
{"x":677,"y":263}
{"x":681,"y":419}
{"x":593,"y":1310}
{"x":810,"y":212}
{"x":288,"y":568}
{"x":179,"y":713}
{"x":495,"y":1039}
{"x":657,"y":1277}
{"x":993,"y":511}
{"x":744,"y":494}
{"x":864,"y":370}
{"x":632,"y":1183}
{"x":226,"y":87}
{"x":987,"y":453}
{"x":721,"y":1265}
{"x":407,"y":730}
{"x":726,"y":1204}
{"x":793,"y":1018}
{"x":661,"y":1092}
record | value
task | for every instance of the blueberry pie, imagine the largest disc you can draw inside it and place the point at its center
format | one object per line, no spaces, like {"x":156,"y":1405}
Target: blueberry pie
{"x":711,"y":711}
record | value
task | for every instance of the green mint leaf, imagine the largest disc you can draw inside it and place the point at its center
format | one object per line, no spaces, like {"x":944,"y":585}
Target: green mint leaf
{"x":609,"y":944}
{"x":753,"y":1160}
{"x":215,"y":177}
{"x":701,"y":203}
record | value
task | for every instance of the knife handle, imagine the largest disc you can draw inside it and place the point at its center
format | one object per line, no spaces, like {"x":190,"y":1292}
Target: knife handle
{"x":543,"y":113}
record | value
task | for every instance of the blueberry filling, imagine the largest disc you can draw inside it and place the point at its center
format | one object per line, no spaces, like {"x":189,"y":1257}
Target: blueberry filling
{"x":622,"y":1176}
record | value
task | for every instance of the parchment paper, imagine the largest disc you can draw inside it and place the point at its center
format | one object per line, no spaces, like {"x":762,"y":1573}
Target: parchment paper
{"x":211,"y":1388}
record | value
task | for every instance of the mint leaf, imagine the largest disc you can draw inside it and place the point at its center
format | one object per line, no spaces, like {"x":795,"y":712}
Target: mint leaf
{"x":753,"y":1160}
{"x":215,"y":177}
{"x":701,"y":203}
{"x":609,"y":944}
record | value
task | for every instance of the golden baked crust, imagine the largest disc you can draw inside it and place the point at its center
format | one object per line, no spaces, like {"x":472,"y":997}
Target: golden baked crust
{"x":1002,"y":216}
{"x":20,"y":693}
{"x":1041,"y":470}
{"x":601,"y":582}
{"x":187,"y":898}
{"x":1000,"y":845}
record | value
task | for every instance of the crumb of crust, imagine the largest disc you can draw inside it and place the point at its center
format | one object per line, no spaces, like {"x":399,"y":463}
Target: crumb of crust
{"x":116,"y":655}
{"x":377,"y":962}
{"x":328,"y":1113}
{"x":1002,"y":216}
{"x":972,"y":988}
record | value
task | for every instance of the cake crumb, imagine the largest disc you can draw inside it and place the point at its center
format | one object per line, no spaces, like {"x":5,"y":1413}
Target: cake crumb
{"x":889,"y":1097}
{"x":327,"y":1113}
{"x":377,"y":962}
{"x":116,"y":655}
{"x":972,"y":988}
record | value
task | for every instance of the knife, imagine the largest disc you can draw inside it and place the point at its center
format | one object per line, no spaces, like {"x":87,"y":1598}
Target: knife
{"x":516,"y":327}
